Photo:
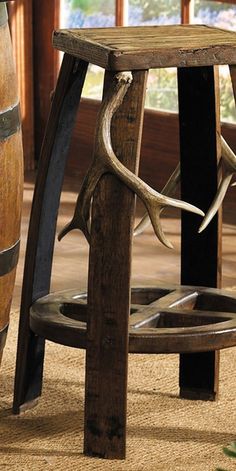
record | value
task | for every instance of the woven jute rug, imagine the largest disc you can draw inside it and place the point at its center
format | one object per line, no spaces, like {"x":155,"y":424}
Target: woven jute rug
{"x":164,"y":432}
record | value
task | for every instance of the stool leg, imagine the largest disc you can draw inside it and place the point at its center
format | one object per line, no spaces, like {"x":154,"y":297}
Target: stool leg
{"x":109,"y":286}
{"x":199,"y":118}
{"x":40,"y":244}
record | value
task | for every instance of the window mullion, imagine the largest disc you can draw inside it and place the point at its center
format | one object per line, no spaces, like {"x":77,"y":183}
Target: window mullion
{"x":187,"y":7}
{"x":121,"y":12}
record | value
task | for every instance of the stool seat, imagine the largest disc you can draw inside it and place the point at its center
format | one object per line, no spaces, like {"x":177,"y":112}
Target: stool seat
{"x":132,"y":48}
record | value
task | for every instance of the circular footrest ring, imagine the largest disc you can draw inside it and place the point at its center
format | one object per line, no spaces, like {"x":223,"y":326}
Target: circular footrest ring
{"x":162,"y":320}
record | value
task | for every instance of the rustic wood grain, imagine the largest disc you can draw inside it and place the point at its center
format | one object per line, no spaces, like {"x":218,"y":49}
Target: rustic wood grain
{"x":200,"y":253}
{"x":146,"y":47}
{"x":110,"y":254}
{"x":8,"y":83}
{"x":45,"y":65}
{"x":11,"y":175}
{"x":41,"y":237}
{"x":20,"y":19}
{"x":109,"y":287}
{"x":170,"y":320}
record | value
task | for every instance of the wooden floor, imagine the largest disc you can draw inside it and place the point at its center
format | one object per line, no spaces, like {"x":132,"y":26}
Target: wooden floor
{"x":151,"y":261}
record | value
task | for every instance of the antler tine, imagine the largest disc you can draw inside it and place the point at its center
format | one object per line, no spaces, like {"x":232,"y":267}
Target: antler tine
{"x":228,"y":155}
{"x":228,"y":160}
{"x":106,"y":161}
{"x":98,"y":167}
{"x":82,"y":210}
{"x":168,"y":190}
{"x":153,"y":200}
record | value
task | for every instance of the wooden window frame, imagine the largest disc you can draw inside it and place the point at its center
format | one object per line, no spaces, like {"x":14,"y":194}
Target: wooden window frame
{"x":32,"y":24}
{"x":20,"y":16}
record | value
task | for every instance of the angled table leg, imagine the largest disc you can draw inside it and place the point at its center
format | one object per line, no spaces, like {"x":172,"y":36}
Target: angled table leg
{"x":199,"y":118}
{"x":109,"y":286}
{"x":38,"y":261}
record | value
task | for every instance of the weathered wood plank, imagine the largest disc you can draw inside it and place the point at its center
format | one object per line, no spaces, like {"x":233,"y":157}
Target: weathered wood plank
{"x":8,"y":94}
{"x":200,"y":253}
{"x":109,"y":287}
{"x":41,"y":236}
{"x":11,"y":174}
{"x":145,"y":47}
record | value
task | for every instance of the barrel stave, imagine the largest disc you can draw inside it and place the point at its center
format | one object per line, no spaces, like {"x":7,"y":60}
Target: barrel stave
{"x":11,"y":174}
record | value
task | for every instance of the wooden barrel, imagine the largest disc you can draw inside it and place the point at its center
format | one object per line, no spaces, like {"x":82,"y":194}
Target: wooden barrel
{"x":11,"y":174}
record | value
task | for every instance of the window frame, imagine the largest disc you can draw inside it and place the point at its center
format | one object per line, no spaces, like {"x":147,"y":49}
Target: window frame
{"x":32,"y":24}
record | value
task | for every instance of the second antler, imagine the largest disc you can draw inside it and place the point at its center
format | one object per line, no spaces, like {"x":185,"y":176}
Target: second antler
{"x":227,"y":164}
{"x":105,"y":161}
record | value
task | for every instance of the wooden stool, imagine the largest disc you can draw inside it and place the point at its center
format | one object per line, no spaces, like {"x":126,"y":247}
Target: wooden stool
{"x":194,"y":322}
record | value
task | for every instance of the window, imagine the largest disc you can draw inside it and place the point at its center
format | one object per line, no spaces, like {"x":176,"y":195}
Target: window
{"x":222,"y":15}
{"x":89,"y":14}
{"x":162,"y":83}
{"x":33,"y":22}
{"x":162,"y":87}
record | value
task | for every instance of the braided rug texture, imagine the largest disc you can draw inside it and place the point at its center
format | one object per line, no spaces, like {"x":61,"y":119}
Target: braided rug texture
{"x":164,"y":432}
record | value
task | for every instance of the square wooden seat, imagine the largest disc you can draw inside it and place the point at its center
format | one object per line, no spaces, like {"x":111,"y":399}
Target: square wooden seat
{"x":132,"y":48}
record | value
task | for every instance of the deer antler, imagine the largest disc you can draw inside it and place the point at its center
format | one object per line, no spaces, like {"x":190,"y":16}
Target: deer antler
{"x":168,"y":190}
{"x":105,"y":161}
{"x":228,"y":163}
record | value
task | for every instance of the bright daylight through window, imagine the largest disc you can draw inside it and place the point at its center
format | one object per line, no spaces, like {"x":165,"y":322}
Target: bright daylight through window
{"x":162,"y":83}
